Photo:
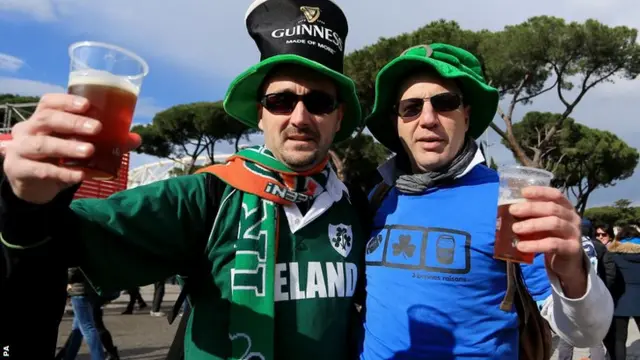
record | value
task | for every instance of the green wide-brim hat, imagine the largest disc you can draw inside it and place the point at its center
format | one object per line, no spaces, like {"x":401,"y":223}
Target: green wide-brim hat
{"x":311,"y":35}
{"x":447,"y":61}
{"x":242,"y":95}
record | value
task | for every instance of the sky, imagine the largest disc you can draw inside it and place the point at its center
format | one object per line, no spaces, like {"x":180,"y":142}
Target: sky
{"x":195,"y":48}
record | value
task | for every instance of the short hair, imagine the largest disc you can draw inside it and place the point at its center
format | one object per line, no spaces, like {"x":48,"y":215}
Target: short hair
{"x":608,"y":229}
{"x":628,"y":232}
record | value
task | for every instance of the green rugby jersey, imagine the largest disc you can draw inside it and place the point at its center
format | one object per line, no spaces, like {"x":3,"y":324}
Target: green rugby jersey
{"x":152,"y":232}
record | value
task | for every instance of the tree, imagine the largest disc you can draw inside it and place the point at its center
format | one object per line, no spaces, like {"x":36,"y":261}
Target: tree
{"x":582,"y":159}
{"x":547,"y":54}
{"x":620,"y":214}
{"x":607,"y":215}
{"x":190,"y":130}
{"x":493,"y":164}
{"x":17,"y":99}
{"x":522,"y":61}
{"x":627,"y":215}
{"x":359,"y":159}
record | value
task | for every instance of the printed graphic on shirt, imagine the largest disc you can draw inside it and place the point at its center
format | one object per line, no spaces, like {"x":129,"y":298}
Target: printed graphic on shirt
{"x":247,"y":353}
{"x":588,"y":247}
{"x":425,"y":250}
{"x":253,"y":243}
{"x":341,"y":237}
{"x":295,"y":281}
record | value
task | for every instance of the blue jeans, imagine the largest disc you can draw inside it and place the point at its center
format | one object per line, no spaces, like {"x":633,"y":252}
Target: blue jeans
{"x":83,"y":326}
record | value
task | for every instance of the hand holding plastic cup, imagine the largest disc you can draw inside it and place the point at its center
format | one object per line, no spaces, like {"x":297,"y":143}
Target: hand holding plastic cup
{"x":512,"y":180}
{"x":110,"y":77}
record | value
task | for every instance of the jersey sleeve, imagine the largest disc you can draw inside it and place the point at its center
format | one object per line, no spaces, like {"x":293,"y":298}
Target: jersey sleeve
{"x":142,"y":235}
{"x":133,"y":238}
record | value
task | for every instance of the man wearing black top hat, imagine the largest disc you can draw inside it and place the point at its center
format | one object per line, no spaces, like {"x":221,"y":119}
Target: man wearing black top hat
{"x":271,"y":241}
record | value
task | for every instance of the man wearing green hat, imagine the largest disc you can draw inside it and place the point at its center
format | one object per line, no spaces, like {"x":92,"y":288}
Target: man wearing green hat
{"x":434,"y":289}
{"x":270,"y":241}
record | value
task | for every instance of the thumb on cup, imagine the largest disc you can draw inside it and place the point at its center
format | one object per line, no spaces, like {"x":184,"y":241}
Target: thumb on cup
{"x":133,"y":141}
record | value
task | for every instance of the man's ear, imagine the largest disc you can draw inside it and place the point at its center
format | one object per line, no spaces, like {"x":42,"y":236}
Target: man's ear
{"x":340,"y":114}
{"x":260,"y":108}
{"x":467,"y":116}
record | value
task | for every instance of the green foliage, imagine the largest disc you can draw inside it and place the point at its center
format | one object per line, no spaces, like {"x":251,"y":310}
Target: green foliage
{"x":493,"y":164}
{"x":581,"y":158}
{"x":620,"y":214}
{"x":360,"y":157}
{"x":520,"y":60}
{"x":190,"y":130}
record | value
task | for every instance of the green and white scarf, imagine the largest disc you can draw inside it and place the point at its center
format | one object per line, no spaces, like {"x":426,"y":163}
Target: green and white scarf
{"x":266,"y":184}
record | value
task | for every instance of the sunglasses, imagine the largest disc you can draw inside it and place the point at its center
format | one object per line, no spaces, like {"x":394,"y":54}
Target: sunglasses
{"x":410,"y":108}
{"x":599,"y":234}
{"x":283,"y":103}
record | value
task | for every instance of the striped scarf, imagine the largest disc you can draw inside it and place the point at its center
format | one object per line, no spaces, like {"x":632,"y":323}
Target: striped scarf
{"x":266,"y":184}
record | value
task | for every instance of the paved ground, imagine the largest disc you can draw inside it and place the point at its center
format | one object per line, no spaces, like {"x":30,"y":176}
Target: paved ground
{"x":143,"y":337}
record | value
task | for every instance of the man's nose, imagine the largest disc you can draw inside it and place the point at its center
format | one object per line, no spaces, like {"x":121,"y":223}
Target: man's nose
{"x":428,"y":118}
{"x":300,"y":116}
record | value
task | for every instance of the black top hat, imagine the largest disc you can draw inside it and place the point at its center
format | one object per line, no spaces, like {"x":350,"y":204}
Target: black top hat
{"x":308,"y":33}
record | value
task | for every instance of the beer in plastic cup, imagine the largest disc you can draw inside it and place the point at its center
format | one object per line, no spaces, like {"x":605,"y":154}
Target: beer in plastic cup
{"x":512,"y":180}
{"x":110,"y":78}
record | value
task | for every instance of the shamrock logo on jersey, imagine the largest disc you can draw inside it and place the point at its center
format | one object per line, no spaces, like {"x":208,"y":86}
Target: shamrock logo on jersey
{"x":404,"y":247}
{"x":341,"y":238}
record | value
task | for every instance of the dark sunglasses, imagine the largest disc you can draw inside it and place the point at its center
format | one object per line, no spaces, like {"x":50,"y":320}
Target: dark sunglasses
{"x":283,"y":103}
{"x":409,"y":108}
{"x":598,"y":234}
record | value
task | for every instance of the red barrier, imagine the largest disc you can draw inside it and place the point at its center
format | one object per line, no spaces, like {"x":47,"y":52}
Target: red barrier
{"x":98,"y":188}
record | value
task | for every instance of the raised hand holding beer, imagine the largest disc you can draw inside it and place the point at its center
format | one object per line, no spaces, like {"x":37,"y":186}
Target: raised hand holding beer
{"x":80,"y":135}
{"x":536,"y":218}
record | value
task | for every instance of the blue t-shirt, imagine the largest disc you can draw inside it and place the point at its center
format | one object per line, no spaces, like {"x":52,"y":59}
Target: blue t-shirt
{"x":433,"y":287}
{"x":536,"y":279}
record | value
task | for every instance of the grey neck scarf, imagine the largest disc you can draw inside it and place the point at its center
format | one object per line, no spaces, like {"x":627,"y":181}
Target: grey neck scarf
{"x":419,"y":183}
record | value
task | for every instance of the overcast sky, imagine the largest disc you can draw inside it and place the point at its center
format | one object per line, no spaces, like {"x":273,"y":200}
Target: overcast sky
{"x":195,"y":47}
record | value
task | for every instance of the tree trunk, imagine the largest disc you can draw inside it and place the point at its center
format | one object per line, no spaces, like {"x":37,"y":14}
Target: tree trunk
{"x":581,"y":201}
{"x":238,"y":137}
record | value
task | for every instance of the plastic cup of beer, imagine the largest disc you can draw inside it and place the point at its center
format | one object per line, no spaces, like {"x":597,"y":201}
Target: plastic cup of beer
{"x":512,"y":180}
{"x":110,"y":77}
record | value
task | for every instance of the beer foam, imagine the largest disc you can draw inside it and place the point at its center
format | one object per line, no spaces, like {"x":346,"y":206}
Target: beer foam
{"x":96,"y":77}
{"x":510,"y":201}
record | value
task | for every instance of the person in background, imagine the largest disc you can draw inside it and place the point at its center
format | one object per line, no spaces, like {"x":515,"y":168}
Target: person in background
{"x":72,"y":344}
{"x":605,"y":234}
{"x":629,"y":234}
{"x":158,"y":295}
{"x":626,"y":255}
{"x":134,"y":296}
{"x":602,"y":261}
{"x":84,"y":325}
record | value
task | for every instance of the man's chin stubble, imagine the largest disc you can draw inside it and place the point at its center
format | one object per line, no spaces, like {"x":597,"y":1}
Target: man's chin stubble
{"x":300,"y":161}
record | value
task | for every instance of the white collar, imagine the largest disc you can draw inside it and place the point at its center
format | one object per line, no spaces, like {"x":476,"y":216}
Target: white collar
{"x":387,"y":169}
{"x":333,"y":192}
{"x":335,"y":187}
